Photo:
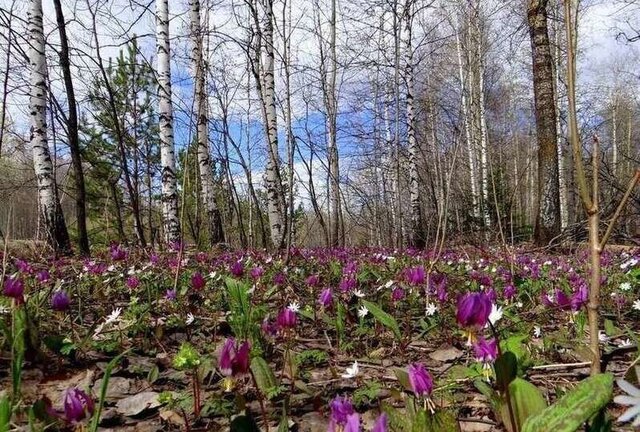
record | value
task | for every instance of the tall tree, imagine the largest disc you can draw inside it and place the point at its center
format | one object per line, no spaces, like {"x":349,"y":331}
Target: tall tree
{"x":214,"y":219}
{"x":50,"y":209}
{"x":547,"y":224}
{"x":72,"y":133}
{"x":332,"y":126}
{"x":170,"y":219}
{"x":417,"y":238}
{"x":262,"y":40}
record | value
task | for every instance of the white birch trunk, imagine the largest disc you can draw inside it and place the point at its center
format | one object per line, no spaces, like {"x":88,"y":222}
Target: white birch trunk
{"x":467,"y":125}
{"x":273,"y":177}
{"x":214,"y":221}
{"x":562,"y":179}
{"x":169,"y":197}
{"x":49,"y":204}
{"x":416,"y":231}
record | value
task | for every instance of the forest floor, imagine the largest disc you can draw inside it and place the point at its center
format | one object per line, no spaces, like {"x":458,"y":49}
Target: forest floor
{"x":307,"y":321}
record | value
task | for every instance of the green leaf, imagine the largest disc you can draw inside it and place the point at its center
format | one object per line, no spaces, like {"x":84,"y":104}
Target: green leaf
{"x":384,"y":318}
{"x":262,"y":373}
{"x":18,"y":348}
{"x":506,"y":367}
{"x":153,"y":374}
{"x":571,"y":411}
{"x":5,"y":414}
{"x":403,"y":378}
{"x":526,"y":400}
{"x":488,"y":392}
{"x":95,"y":420}
{"x":515,"y":344}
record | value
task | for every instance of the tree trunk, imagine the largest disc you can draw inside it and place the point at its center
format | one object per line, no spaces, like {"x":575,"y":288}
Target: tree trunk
{"x":547,"y":224}
{"x":332,"y":121}
{"x":417,"y":235}
{"x":169,"y":197}
{"x":50,"y":209}
{"x":72,"y":134}
{"x":467,"y":126}
{"x":264,"y":78}
{"x":214,"y":220}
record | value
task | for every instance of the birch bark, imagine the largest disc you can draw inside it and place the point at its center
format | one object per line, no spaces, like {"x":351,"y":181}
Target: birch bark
{"x":169,"y":198}
{"x":49,"y":204}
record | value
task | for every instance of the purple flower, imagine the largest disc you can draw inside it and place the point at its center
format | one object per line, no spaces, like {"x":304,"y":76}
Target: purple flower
{"x":415,"y":275}
{"x":60,"y":301}
{"x":43,"y":276}
{"x":171,"y":294}
{"x":473,"y":310}
{"x":197,"y":281}
{"x":562,"y":300}
{"x":579,"y":298}
{"x":234,"y":359}
{"x":486,"y":351}
{"x":133,"y":282}
{"x":350,"y":268}
{"x":237,"y":269}
{"x":420,"y":379}
{"x":353,"y":423}
{"x":268,"y":327}
{"x":347,"y":284}
{"x":23,"y":266}
{"x":117,"y":253}
{"x":287,"y":319}
{"x":154,"y":259}
{"x":257,"y":272}
{"x":341,"y":409}
{"x":326,"y":298}
{"x":14,"y":288}
{"x":509,"y":291}
{"x":279,"y":278}
{"x":313,"y":280}
{"x":77,"y":405}
{"x":397,"y":294}
{"x":381,"y":424}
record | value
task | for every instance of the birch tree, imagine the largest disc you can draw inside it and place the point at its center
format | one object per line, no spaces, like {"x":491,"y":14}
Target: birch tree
{"x":262,"y":68}
{"x":417,"y":231}
{"x":547,"y":224}
{"x":50,"y":209}
{"x":214,"y":220}
{"x":169,"y":198}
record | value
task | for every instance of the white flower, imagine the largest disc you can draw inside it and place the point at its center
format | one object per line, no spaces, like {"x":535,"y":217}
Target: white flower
{"x":294,"y":307}
{"x":631,"y":399}
{"x":547,"y":263}
{"x":495,"y":315}
{"x":213,"y":275}
{"x":602,"y":336}
{"x":537,"y":331}
{"x":519,"y":304}
{"x":431,"y":309}
{"x":4,"y":310}
{"x":352,"y":371}
{"x":111,"y":268}
{"x":631,"y":263}
{"x":363,"y":311}
{"x":358,"y":293}
{"x":625,"y":343}
{"x":636,"y":304}
{"x":190,"y":318}
{"x":114,"y":316}
{"x":625,"y":286}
